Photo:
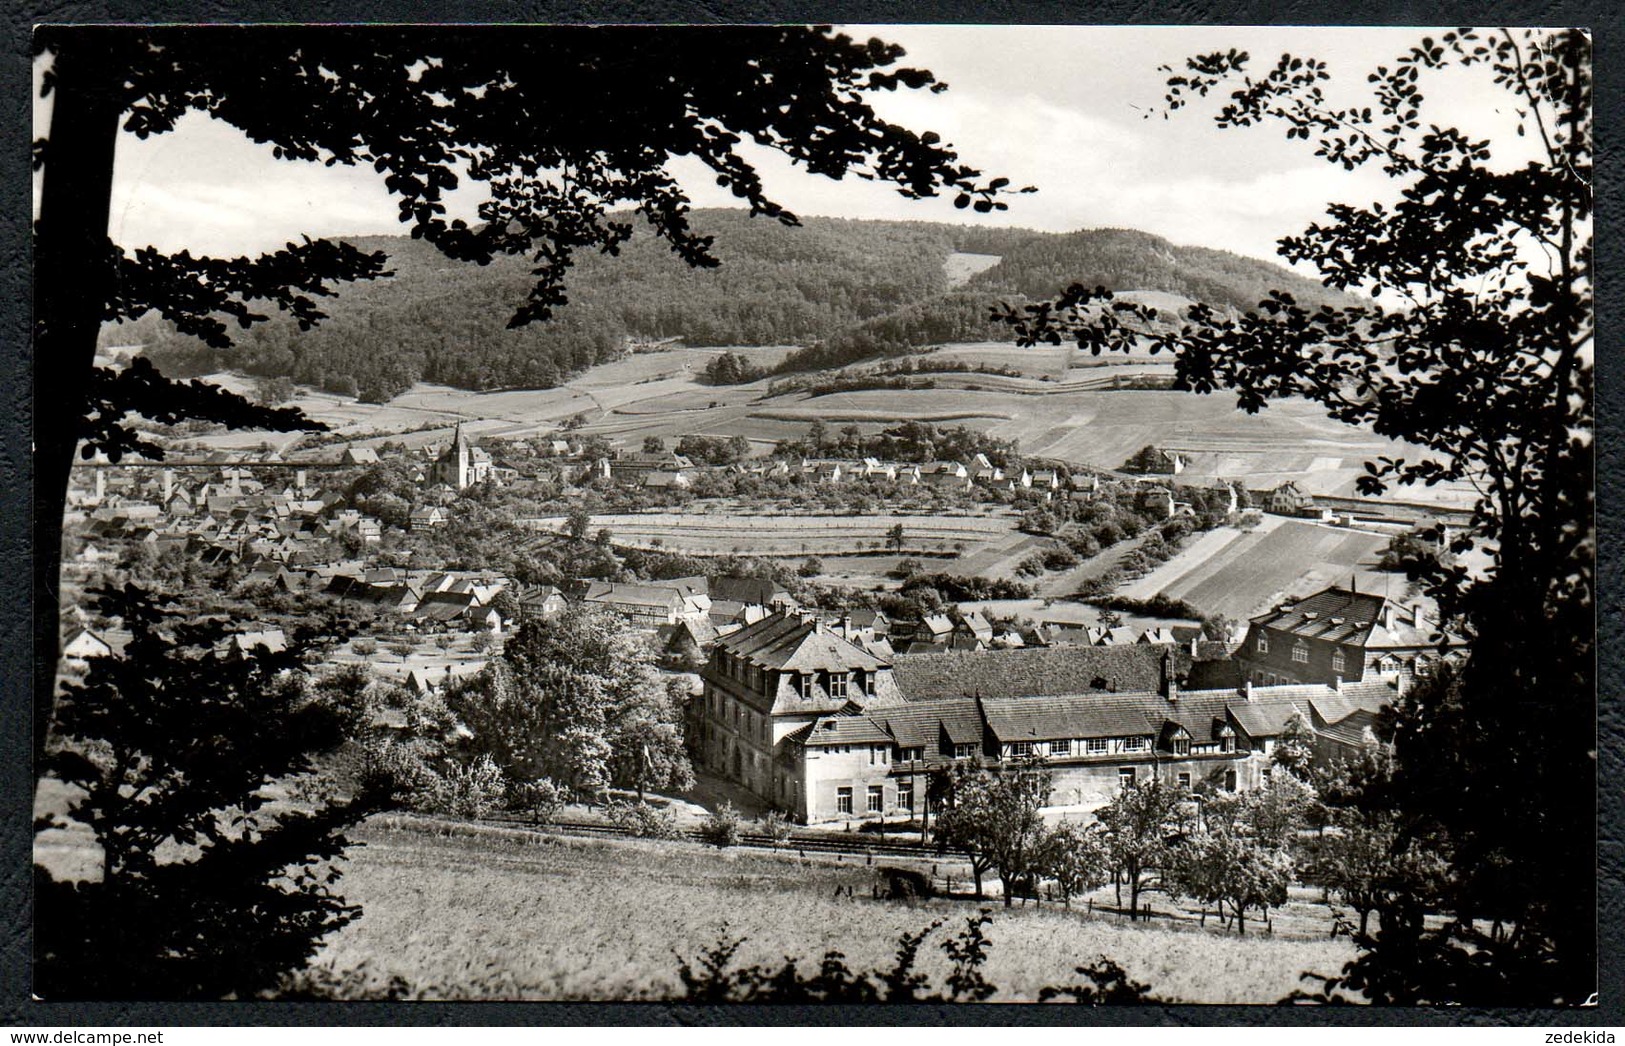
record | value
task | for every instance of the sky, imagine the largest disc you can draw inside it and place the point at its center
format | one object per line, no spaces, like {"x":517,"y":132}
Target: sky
{"x":1072,"y":110}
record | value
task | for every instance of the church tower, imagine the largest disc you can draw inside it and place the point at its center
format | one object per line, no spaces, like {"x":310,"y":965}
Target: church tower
{"x":460,"y":448}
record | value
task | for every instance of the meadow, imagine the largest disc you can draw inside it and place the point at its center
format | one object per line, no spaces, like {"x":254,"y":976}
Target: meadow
{"x":464,"y":911}
{"x":779,"y":534}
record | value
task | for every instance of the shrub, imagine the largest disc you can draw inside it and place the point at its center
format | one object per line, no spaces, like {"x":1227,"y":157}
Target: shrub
{"x":721,"y":828}
{"x":776,"y":827}
{"x":644,"y":821}
{"x":471,"y":791}
{"x":542,"y":799}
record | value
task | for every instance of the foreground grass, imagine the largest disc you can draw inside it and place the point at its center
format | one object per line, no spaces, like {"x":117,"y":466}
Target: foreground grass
{"x":477,"y":913}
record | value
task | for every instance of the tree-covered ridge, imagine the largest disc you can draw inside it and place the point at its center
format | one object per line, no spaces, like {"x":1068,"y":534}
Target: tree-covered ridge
{"x":1044,"y":264}
{"x":847,"y":289}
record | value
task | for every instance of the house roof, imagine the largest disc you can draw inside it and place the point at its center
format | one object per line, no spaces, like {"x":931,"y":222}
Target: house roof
{"x":1342,"y":615}
{"x":633,"y":595}
{"x":787,"y":643}
{"x":1073,"y":715}
{"x":921,"y":725}
{"x":1034,"y":671}
{"x":843,"y":730}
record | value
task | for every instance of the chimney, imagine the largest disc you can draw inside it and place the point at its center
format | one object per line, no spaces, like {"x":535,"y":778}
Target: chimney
{"x":101,"y":484}
{"x":1170,"y":685}
{"x":299,"y":477}
{"x":1419,"y":616}
{"x":1247,"y":689}
{"x":167,"y":477}
{"x":1337,"y":682}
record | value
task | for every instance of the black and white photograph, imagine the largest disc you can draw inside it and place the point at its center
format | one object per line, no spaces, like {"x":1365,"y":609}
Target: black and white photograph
{"x":730,"y":514}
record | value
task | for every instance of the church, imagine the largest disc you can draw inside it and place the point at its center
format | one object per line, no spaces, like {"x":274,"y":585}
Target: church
{"x":462,"y":464}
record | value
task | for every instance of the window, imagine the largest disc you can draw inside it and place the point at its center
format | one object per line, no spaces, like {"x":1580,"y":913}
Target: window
{"x":1133,"y":744}
{"x":966,"y":751}
{"x":858,"y":681}
{"x":1337,"y":661}
{"x":1185,"y":782}
{"x":843,"y":800}
{"x":1021,"y":749}
{"x":1264,"y":775}
{"x":1060,"y":748}
{"x":878,"y":754}
{"x":1263,"y":643}
{"x":1125,"y":776}
{"x":909,"y":754}
{"x":1300,"y":653}
{"x":1095,"y":746}
{"x":905,"y":795}
{"x":1229,"y":780}
{"x":876,"y":799}
{"x":805,"y":680}
{"x":1182,"y":746}
{"x":1227,"y":743}
{"x":837,"y":684}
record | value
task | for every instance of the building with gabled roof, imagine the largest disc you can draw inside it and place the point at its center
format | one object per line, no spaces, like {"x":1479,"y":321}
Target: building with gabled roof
{"x":770,"y":679}
{"x":1342,"y":634}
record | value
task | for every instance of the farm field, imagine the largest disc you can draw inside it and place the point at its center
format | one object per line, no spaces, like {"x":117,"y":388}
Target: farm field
{"x":1073,"y":417}
{"x":1238,"y":573}
{"x":778,"y":534}
{"x":481,"y":913}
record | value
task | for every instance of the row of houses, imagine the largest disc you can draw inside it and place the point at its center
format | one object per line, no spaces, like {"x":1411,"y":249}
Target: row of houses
{"x":821,"y":722}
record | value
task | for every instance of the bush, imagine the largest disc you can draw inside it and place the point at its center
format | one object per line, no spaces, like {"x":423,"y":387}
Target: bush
{"x":470,"y":791}
{"x":811,"y":567}
{"x":644,"y":821}
{"x":542,"y":799}
{"x":776,"y":827}
{"x":721,"y":828}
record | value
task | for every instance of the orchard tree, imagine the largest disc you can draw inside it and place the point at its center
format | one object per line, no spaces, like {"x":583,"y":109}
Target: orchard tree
{"x":564,"y":127}
{"x":1137,"y":825}
{"x":1076,"y":859}
{"x":993,"y":816}
{"x":1225,"y":865}
{"x":1476,"y":343}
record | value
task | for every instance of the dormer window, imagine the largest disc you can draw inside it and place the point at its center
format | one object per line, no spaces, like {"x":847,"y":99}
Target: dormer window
{"x":1263,"y":643}
{"x":805,"y":682}
{"x":1182,"y":746}
{"x":1300,"y":652}
{"x":837,"y":684}
{"x":859,"y":683}
{"x":1337,"y":661}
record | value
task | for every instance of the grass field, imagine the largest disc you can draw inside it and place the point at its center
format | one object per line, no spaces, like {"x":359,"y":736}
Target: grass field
{"x":509,"y":915}
{"x":1238,"y":573}
{"x":779,"y":534}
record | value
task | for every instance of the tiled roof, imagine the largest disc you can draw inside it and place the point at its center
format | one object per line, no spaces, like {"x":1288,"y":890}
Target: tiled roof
{"x":1034,"y":671}
{"x":786,"y":642}
{"x":1075,"y":715}
{"x":844,"y":730}
{"x":1201,"y":714}
{"x":1371,"y":697}
{"x":1267,"y":717}
{"x":918,"y":725}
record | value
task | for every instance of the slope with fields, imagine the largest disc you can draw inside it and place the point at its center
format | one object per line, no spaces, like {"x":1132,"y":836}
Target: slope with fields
{"x":1240,"y":572}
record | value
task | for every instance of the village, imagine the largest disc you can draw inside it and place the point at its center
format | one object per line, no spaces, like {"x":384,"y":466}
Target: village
{"x":803,"y":699}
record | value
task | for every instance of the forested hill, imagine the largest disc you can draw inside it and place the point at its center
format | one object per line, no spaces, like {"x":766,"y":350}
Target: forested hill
{"x":1039,"y":265}
{"x":1123,"y":259}
{"x":831,"y":283}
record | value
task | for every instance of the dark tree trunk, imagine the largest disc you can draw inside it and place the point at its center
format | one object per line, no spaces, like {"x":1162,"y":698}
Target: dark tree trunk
{"x":73,"y":282}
